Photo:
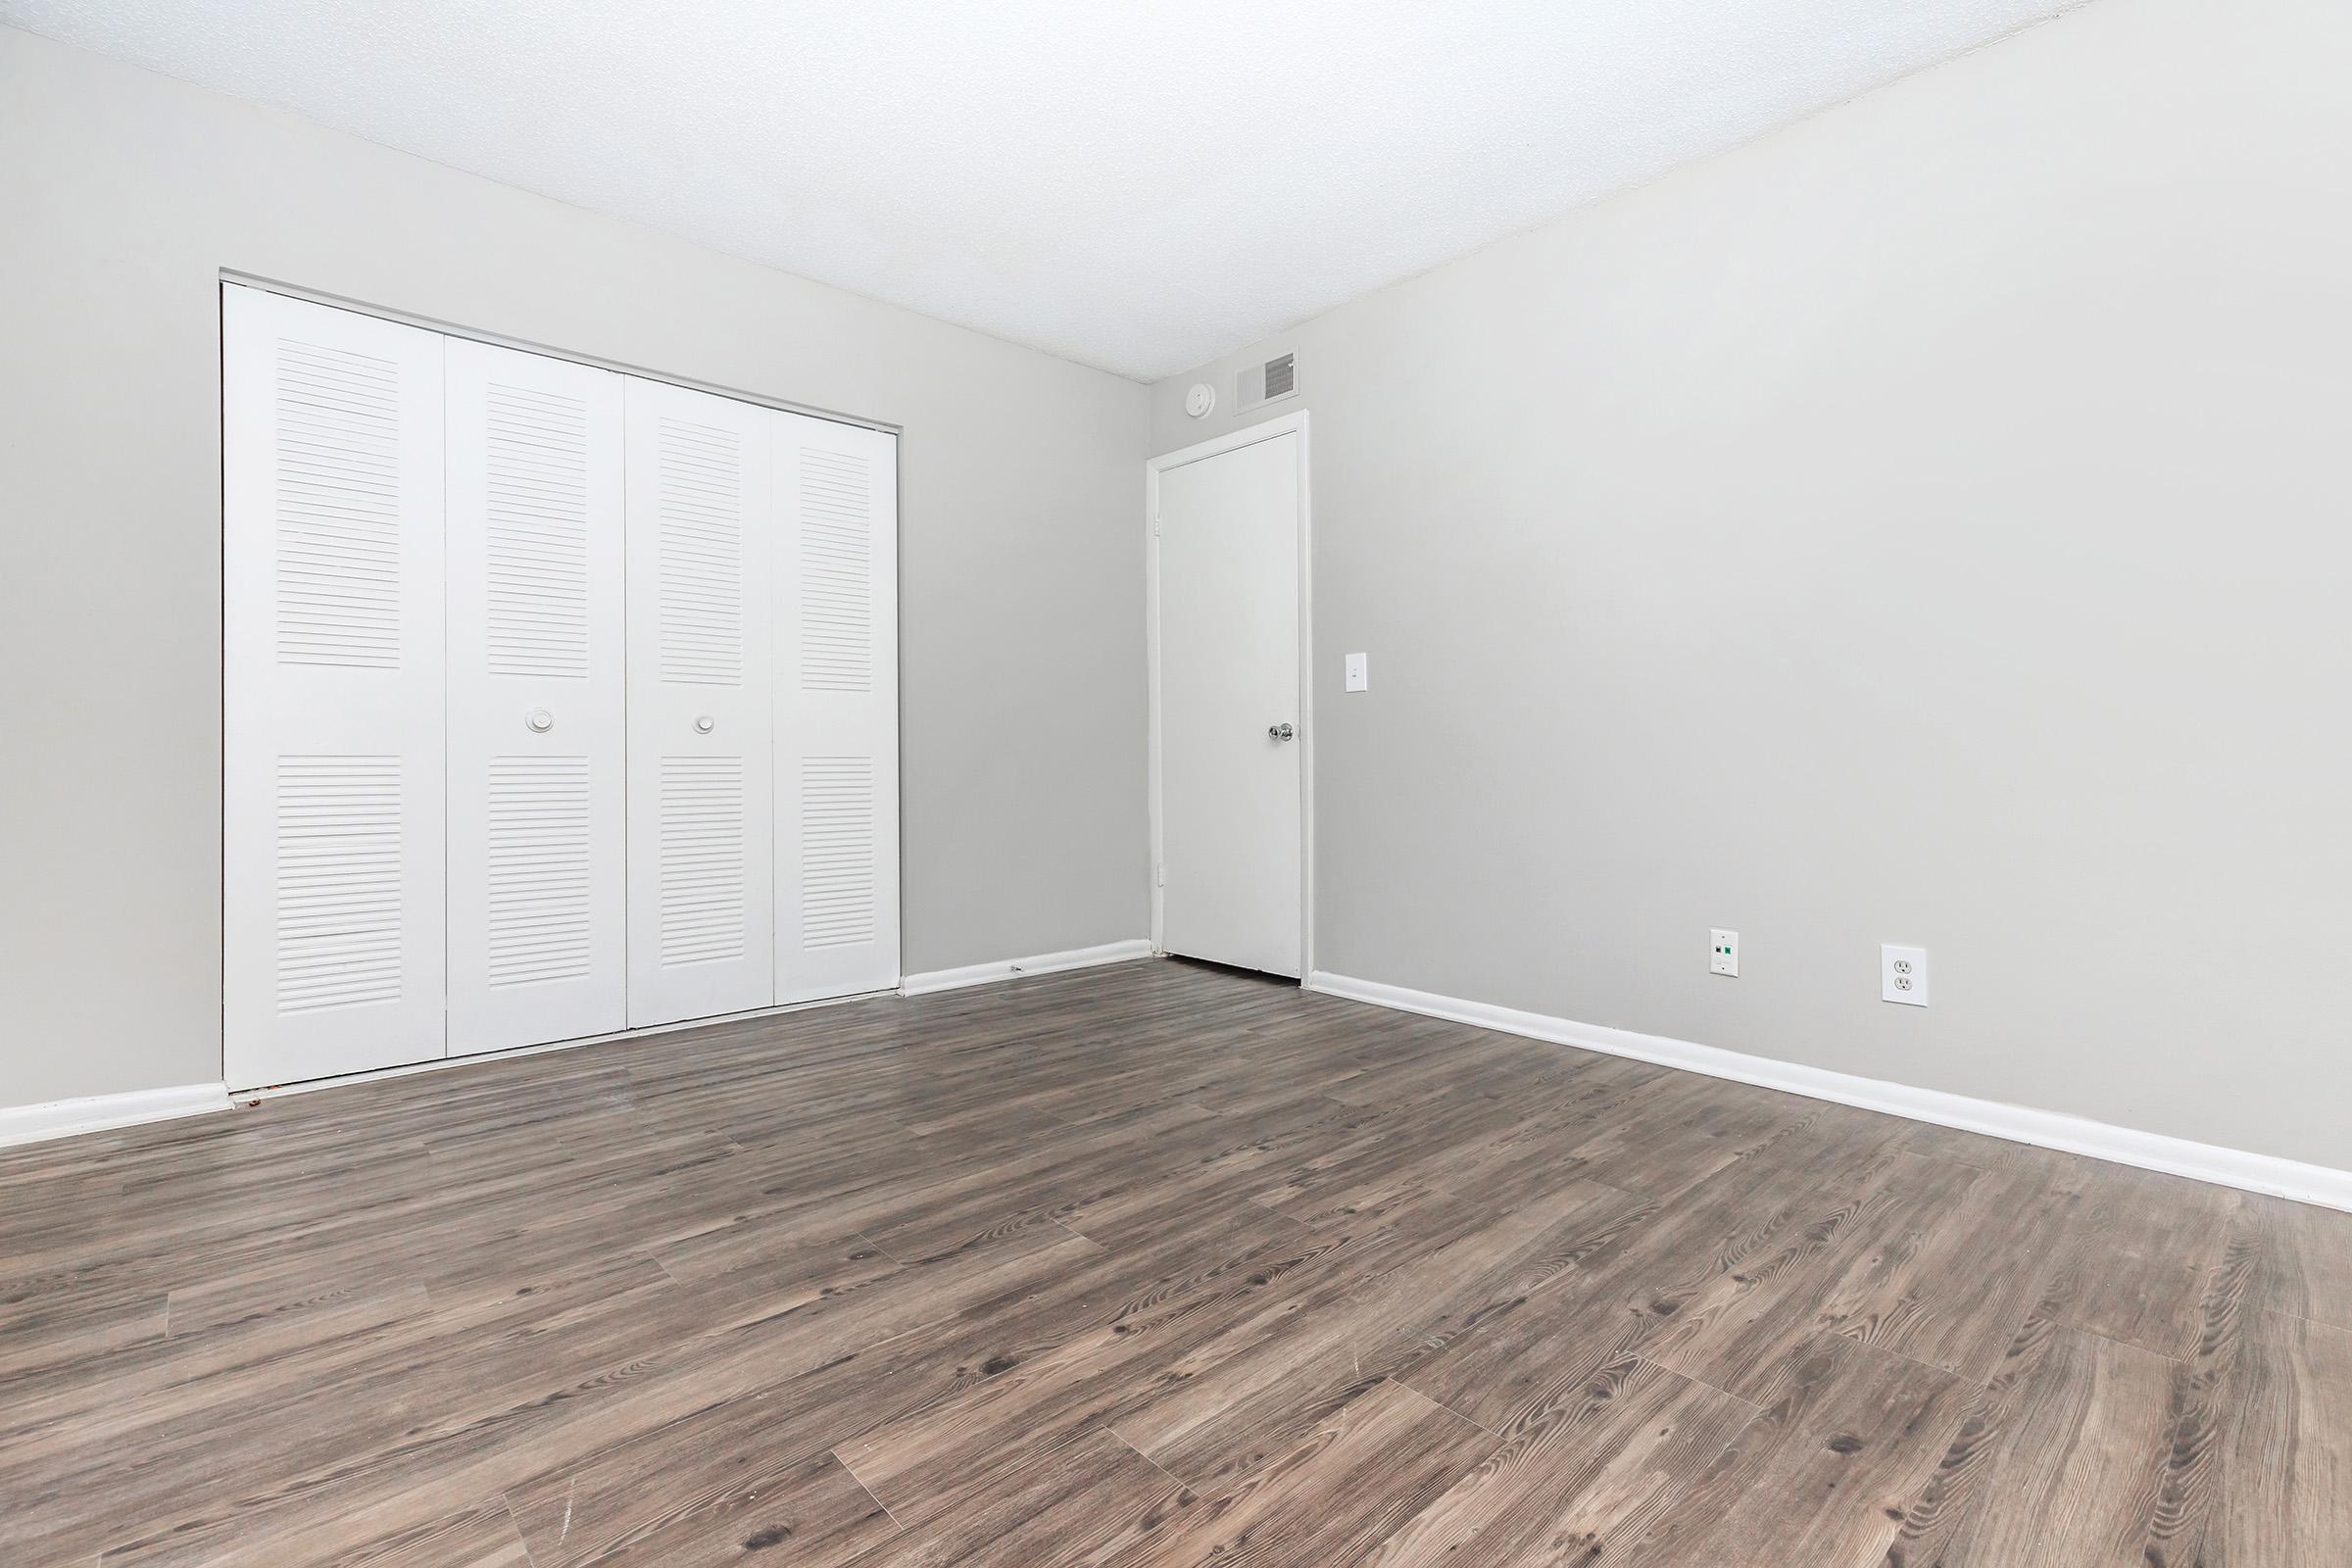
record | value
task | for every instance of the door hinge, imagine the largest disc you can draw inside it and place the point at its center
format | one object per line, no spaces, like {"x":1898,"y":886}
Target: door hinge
{"x":1163,"y":876}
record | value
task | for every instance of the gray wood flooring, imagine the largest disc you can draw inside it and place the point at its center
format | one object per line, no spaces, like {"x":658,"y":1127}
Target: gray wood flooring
{"x":1147,"y":1265}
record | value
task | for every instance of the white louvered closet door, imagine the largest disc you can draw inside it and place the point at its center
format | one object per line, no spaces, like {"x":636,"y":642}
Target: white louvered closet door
{"x":837,"y":712}
{"x":537,"y":705}
{"x":701,"y":842}
{"x":332,"y":769}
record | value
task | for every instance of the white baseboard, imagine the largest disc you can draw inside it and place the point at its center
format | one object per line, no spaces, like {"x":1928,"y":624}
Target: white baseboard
{"x":61,"y":1118}
{"x":25,"y":1124}
{"x":2047,"y":1129}
{"x":975,"y":974}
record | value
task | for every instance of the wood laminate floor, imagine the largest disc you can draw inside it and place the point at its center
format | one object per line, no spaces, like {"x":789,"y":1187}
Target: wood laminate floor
{"x":1147,"y":1265}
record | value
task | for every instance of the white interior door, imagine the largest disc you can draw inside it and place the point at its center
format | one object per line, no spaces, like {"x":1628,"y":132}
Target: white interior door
{"x":537,"y":706}
{"x":837,"y":709}
{"x":700,"y":721}
{"x":332,"y":769}
{"x":1231,"y":821}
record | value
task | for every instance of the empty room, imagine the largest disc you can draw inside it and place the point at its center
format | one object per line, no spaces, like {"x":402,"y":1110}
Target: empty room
{"x":1045,"y":783}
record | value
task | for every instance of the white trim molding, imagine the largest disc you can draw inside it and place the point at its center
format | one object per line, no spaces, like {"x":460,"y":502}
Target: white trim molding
{"x":62,"y":1118}
{"x":979,"y":974}
{"x":2022,"y":1124}
{"x":433,"y":323}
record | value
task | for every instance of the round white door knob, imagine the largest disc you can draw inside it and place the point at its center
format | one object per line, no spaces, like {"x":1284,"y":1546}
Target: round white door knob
{"x":704,"y":725}
{"x":540,"y":720}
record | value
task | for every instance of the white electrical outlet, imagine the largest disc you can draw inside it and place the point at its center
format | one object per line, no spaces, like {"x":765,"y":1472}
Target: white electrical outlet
{"x":1903,"y":975}
{"x":1360,"y":672}
{"x":1722,"y":953}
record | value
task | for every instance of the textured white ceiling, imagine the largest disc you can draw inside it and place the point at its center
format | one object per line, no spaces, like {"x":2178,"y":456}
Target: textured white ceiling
{"x":1136,"y":184}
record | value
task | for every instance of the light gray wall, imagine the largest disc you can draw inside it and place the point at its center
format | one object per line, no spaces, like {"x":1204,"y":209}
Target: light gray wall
{"x":122,"y":196}
{"x":1931,"y":525}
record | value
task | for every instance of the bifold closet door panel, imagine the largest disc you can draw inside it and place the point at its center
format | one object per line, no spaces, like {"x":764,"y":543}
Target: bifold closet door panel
{"x":837,"y":719}
{"x":537,"y":703}
{"x":701,"y":726}
{"x":333,"y":780}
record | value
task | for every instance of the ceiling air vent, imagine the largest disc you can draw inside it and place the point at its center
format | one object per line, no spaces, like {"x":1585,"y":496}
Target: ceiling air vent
{"x":1263,"y":383}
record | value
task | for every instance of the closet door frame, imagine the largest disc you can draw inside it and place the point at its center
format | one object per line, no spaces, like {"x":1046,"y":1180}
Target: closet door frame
{"x":240,"y":1069}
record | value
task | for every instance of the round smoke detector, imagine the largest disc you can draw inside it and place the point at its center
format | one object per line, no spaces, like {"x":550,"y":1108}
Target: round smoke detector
{"x":1199,"y":400}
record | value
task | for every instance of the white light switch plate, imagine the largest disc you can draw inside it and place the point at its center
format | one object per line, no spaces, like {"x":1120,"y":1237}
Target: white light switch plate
{"x":1722,"y":953}
{"x":1903,"y":975}
{"x":1360,"y":672}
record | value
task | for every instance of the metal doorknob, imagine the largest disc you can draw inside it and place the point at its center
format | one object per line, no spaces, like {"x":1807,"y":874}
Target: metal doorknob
{"x":539,"y":720}
{"x":704,"y":725}
{"x":1281,"y":732}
